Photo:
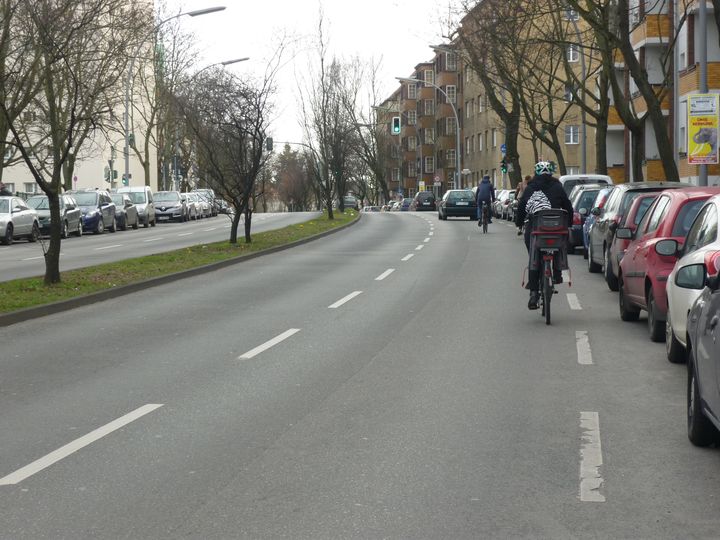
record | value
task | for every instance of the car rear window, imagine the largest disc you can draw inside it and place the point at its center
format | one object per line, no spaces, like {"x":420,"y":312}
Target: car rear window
{"x":628,"y":199}
{"x":644,"y":205}
{"x":86,"y":199}
{"x":686,"y":216}
{"x":586,"y":199}
{"x":461,"y":196}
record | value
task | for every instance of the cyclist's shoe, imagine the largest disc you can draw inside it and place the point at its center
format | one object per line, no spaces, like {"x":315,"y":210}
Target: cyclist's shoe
{"x":534,"y":299}
{"x":519,"y":232}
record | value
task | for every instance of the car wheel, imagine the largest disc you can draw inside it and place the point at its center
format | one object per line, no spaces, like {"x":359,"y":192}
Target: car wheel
{"x":113,"y":226}
{"x":123,"y":225}
{"x":593,"y":267}
{"x":146,"y":223}
{"x":585,"y":253}
{"x":627,"y":312}
{"x":64,"y":230}
{"x":610,"y":279}
{"x":136,"y":224}
{"x":655,"y":327}
{"x":79,"y":231}
{"x":701,"y":431}
{"x":100,"y":227}
{"x":7,"y":239}
{"x":673,"y":348}
{"x":35,"y":233}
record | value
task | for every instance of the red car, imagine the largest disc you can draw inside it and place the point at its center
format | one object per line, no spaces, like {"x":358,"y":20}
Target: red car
{"x":643,"y":272}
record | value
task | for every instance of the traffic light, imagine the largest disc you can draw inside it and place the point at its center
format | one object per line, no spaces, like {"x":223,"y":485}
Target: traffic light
{"x":396,"y":125}
{"x":125,"y":180}
{"x":269,"y":144}
{"x":503,"y":166}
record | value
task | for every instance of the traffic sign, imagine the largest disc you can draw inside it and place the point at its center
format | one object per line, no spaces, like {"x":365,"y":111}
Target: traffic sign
{"x":503,"y":148}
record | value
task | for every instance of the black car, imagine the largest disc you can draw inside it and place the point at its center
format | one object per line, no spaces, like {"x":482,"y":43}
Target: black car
{"x":70,"y":215}
{"x":582,"y":198}
{"x":424,"y":201}
{"x":609,"y":218}
{"x":457,"y":203}
{"x":126,"y":213}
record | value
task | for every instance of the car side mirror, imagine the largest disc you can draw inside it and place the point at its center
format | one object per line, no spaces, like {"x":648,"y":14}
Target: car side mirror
{"x":624,"y":233}
{"x":693,"y":276}
{"x":595,"y":211}
{"x":713,"y":282}
{"x":583,"y":211}
{"x":667,"y":248}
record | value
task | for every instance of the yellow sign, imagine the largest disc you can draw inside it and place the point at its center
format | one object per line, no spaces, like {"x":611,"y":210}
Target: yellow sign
{"x":702,"y":129}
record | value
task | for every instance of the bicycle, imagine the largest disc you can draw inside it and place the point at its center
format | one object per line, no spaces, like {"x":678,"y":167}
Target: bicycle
{"x":548,"y":238}
{"x":484,"y":217}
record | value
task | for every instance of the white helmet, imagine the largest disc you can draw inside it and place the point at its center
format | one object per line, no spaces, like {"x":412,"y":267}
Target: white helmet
{"x":544,"y":167}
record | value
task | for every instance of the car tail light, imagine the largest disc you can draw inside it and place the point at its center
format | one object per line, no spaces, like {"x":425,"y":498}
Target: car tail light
{"x":712,"y":263}
{"x":576,"y":218}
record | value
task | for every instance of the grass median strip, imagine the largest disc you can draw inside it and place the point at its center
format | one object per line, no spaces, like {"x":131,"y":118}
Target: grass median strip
{"x":28,"y":292}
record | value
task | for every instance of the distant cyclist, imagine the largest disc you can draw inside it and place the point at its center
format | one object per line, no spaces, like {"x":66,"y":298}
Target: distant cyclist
{"x":542,"y":193}
{"x":485,"y":195}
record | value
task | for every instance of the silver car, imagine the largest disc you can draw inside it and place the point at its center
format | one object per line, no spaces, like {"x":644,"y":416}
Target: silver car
{"x":17,"y":220}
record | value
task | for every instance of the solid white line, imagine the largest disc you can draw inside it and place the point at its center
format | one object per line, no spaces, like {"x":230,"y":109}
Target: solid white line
{"x":427,"y":240}
{"x":32,"y":258}
{"x":185,"y":234}
{"x":210,"y":229}
{"x":573,"y":301}
{"x":584,"y":353}
{"x":265,"y":346}
{"x":385,"y":274}
{"x":77,"y":444}
{"x":590,"y":458}
{"x":108,"y":247}
{"x":344,"y":300}
{"x":419,"y":247}
{"x":153,"y":239}
{"x":407,"y":257}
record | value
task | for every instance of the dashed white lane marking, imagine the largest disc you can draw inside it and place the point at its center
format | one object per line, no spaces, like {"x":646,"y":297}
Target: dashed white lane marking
{"x":265,"y":346}
{"x":427,"y":240}
{"x":590,"y":458}
{"x":573,"y":301}
{"x":385,"y":274}
{"x":407,"y":257}
{"x":185,"y":234}
{"x":77,"y":444}
{"x":108,"y":247}
{"x":210,"y":229}
{"x":153,"y":239}
{"x":33,"y":258}
{"x":431,"y":233}
{"x":419,"y":247}
{"x":584,"y":353}
{"x":344,"y":300}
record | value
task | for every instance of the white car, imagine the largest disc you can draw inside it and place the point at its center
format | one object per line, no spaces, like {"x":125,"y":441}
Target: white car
{"x":17,"y":220}
{"x":687,"y":279}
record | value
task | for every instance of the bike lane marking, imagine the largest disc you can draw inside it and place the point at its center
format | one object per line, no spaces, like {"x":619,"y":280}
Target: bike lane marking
{"x":573,"y":301}
{"x":344,"y":300}
{"x":584,"y":353}
{"x":268,"y":344}
{"x":590,"y":458}
{"x":72,"y":447}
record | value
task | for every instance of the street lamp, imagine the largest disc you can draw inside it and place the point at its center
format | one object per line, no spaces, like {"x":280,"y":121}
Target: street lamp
{"x":458,"y":176}
{"x":582,"y":107}
{"x":128,"y":81}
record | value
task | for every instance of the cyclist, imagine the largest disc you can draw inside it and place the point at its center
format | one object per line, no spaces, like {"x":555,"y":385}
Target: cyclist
{"x":542,"y":193}
{"x":485,"y":195}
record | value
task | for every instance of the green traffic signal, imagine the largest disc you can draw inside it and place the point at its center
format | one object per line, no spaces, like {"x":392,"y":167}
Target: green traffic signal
{"x":396,"y":125}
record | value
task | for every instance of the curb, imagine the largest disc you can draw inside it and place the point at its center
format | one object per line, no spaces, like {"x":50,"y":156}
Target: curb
{"x":14,"y":317}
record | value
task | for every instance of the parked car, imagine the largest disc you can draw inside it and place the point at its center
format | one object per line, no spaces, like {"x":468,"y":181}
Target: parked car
{"x":609,"y":218}
{"x":404,"y":205}
{"x":224,"y":207}
{"x":685,"y":282}
{"x":424,"y":201}
{"x":703,"y":383}
{"x":350,"y":202}
{"x":507,"y":203}
{"x":367,"y":209}
{"x":582,"y":198}
{"x":192,"y":201}
{"x":500,"y":199}
{"x":208,"y":195}
{"x":98,"y":210}
{"x":142,"y":197}
{"x":17,"y":220}
{"x":569,"y":181}
{"x":643,"y":273}
{"x":457,"y":203}
{"x":169,"y":206}
{"x":126,"y":213}
{"x":70,"y":214}
{"x":599,"y":203}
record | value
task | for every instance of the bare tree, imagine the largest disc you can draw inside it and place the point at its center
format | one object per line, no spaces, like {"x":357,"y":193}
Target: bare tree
{"x":293,"y":181}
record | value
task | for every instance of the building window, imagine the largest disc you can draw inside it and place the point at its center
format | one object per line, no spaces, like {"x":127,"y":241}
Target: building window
{"x":480,"y":140}
{"x":429,"y":77}
{"x":451,"y":61}
{"x":568,"y":93}
{"x":480,"y":104}
{"x":472,"y":143}
{"x":494,"y":138}
{"x":429,"y":135}
{"x":396,"y":175}
{"x":412,"y":169}
{"x":450,"y":156}
{"x":429,"y":107}
{"x":573,"y":53}
{"x":572,"y":134}
{"x":412,"y":117}
{"x":10,"y":187}
{"x":467,"y":146}
{"x":30,"y":187}
{"x":412,"y":143}
{"x":450,"y":125}
{"x":394,"y":154}
{"x":412,"y":90}
{"x":451,"y":91}
{"x":429,"y":164}
{"x":573,"y":169}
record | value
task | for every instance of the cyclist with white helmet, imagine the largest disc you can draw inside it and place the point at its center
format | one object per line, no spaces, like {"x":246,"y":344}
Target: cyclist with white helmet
{"x":542,"y":193}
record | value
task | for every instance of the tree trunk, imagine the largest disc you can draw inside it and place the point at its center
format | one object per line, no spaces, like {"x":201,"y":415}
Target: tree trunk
{"x":52,"y":255}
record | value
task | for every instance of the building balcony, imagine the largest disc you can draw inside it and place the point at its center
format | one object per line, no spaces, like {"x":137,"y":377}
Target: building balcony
{"x":444,"y":78}
{"x":653,"y":29}
{"x":690,"y":78}
{"x":641,"y":107}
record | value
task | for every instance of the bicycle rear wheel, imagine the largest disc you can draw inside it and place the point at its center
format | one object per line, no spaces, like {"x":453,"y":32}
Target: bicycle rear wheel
{"x":547,"y":291}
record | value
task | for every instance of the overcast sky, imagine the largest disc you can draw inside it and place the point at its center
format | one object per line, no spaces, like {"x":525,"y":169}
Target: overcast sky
{"x":397,"y":33}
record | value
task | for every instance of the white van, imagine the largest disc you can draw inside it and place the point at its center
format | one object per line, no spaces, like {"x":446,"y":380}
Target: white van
{"x":142,"y":196}
{"x":569,"y":181}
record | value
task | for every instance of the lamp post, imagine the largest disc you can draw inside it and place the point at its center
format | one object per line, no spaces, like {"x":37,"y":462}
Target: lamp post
{"x":458,"y":175}
{"x":128,"y":81}
{"x":583,"y":168}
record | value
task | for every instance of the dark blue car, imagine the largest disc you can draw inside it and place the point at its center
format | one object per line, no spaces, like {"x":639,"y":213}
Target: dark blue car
{"x":98,"y":210}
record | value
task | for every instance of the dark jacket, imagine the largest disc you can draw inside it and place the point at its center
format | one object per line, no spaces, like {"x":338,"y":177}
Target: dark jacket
{"x":553,"y":190}
{"x":485,"y":191}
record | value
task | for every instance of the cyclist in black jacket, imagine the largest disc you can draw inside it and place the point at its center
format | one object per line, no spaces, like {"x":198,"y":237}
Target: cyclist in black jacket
{"x":542,"y":193}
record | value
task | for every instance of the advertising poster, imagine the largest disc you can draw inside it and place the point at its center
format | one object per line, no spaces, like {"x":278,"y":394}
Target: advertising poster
{"x":702,"y":129}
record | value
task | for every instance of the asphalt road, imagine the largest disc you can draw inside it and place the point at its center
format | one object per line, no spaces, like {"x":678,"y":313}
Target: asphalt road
{"x":23,"y":259}
{"x":386,"y":381}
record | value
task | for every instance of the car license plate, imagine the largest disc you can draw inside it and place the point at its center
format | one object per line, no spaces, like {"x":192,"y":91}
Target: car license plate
{"x":163,"y":218}
{"x":426,"y":204}
{"x":462,"y":204}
